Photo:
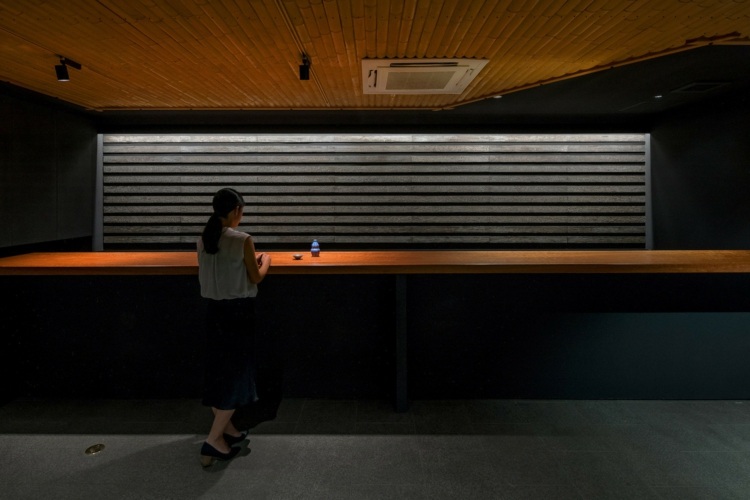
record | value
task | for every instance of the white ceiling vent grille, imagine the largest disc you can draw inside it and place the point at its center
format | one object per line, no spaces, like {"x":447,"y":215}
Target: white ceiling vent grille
{"x":419,"y":76}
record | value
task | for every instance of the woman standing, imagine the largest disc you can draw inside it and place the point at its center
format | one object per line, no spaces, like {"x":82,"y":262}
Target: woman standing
{"x":229,"y":271}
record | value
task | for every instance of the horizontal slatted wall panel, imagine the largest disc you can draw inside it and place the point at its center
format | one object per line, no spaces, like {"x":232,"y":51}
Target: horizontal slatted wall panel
{"x":380,"y":191}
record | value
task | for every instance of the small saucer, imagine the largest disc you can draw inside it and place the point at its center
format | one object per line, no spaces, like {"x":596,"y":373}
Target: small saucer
{"x":297,"y":256}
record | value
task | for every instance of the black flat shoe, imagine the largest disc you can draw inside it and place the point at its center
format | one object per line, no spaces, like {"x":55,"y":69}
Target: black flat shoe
{"x":209,"y":454}
{"x":234,"y":439}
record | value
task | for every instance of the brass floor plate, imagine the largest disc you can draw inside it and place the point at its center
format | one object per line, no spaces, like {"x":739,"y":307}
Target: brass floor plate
{"x":93,"y":450}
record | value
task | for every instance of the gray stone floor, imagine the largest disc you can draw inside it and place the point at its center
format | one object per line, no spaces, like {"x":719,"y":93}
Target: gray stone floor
{"x":321,"y":449}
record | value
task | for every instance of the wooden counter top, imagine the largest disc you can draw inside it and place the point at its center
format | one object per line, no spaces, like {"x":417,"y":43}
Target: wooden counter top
{"x":394,"y":262}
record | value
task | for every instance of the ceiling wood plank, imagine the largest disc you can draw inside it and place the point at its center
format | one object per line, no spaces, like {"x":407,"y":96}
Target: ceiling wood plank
{"x":234,"y":54}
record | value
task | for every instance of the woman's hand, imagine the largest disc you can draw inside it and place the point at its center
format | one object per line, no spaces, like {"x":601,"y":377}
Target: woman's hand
{"x":262,"y":257}
{"x":257,"y":264}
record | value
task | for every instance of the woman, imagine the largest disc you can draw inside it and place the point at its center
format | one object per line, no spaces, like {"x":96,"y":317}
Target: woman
{"x":229,"y":270}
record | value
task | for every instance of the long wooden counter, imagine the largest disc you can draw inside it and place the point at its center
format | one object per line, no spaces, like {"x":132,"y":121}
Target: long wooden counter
{"x":394,"y":262}
{"x":408,"y":296}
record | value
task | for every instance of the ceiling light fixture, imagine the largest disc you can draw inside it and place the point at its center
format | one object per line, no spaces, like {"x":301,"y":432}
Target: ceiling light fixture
{"x":304,"y":68}
{"x":62,"y":69}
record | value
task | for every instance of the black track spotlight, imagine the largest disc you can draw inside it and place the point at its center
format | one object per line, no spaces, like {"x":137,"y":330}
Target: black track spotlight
{"x":61,"y":70}
{"x":304,"y":68}
{"x":62,"y":73}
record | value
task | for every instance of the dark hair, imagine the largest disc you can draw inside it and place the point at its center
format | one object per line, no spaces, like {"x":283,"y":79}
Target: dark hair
{"x":225,"y":200}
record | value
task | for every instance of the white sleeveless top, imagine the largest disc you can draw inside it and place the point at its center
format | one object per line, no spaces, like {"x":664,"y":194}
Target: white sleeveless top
{"x":223,"y":275}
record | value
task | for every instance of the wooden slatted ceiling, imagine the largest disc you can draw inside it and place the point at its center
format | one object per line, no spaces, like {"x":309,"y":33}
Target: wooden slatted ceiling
{"x":381,"y":191}
{"x":230,"y":54}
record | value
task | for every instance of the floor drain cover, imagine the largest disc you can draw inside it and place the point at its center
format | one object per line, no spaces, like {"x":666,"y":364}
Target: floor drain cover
{"x":93,"y":450}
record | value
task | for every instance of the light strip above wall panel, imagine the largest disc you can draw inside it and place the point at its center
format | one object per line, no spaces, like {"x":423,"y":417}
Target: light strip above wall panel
{"x":380,"y":190}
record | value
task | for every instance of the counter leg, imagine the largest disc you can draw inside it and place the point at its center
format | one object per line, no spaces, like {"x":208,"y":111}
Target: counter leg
{"x":402,"y":402}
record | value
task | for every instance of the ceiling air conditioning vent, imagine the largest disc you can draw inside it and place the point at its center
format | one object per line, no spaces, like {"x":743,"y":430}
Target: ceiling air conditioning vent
{"x":419,"y":76}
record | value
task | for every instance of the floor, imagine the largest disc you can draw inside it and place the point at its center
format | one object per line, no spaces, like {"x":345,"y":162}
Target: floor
{"x":329,"y":449}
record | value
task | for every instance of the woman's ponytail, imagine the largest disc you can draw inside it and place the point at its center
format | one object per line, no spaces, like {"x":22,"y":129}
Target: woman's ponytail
{"x":211,"y":234}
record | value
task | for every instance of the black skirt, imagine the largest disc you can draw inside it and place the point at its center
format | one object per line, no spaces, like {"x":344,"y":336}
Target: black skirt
{"x":230,"y":374}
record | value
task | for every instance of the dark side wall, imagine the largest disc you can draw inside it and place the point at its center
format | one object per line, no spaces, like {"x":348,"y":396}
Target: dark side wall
{"x":700,"y":174}
{"x":47,"y":173}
